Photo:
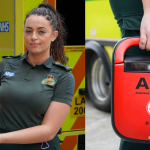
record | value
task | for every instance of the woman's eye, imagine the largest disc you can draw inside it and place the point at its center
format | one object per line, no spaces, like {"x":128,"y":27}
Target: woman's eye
{"x":41,"y":31}
{"x":27,"y":31}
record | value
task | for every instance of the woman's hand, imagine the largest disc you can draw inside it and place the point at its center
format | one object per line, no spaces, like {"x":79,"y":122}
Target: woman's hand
{"x":145,"y":32}
{"x":145,"y":26}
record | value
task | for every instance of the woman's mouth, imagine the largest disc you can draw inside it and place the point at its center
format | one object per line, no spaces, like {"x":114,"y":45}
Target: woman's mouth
{"x":34,"y":44}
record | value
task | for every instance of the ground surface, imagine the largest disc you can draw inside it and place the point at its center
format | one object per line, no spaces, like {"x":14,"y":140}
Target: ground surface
{"x":99,"y":132}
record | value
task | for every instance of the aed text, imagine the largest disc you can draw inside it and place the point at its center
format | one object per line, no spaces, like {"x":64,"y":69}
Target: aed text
{"x":142,"y":84}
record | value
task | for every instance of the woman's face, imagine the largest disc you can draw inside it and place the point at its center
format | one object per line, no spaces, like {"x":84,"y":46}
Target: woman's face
{"x":38,"y":34}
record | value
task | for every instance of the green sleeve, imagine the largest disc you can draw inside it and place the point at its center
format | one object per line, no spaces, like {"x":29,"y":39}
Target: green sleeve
{"x":1,"y":70}
{"x":64,"y":88}
{"x":1,"y":67}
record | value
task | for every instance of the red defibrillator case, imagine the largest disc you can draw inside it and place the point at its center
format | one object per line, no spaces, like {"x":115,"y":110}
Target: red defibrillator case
{"x":131,"y":93}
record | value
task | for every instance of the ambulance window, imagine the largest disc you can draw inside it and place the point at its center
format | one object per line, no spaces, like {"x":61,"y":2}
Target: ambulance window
{"x":74,"y":14}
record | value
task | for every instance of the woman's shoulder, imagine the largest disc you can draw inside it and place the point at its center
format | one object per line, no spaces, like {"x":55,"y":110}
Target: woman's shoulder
{"x":64,"y":79}
{"x":11,"y":59}
{"x":62,"y":67}
{"x":11,"y":56}
{"x":63,"y":71}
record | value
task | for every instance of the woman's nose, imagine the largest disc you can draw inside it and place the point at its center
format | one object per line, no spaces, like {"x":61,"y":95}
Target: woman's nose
{"x":34,"y":36}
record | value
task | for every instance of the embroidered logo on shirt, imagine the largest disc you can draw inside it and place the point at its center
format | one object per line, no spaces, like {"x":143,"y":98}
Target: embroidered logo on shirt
{"x":8,"y":74}
{"x":49,"y":80}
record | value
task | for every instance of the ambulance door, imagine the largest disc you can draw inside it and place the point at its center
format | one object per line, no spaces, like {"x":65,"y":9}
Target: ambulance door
{"x":7,"y":27}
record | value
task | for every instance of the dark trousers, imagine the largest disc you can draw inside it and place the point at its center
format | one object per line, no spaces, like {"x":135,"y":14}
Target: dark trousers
{"x":125,"y":145}
{"x":54,"y":144}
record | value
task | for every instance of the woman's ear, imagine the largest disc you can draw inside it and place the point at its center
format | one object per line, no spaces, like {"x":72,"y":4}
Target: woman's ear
{"x":54,"y":35}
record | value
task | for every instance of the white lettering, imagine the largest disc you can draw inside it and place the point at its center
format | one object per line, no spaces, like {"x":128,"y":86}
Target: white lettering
{"x":10,"y":74}
{"x":1,"y":26}
{"x":4,"y":26}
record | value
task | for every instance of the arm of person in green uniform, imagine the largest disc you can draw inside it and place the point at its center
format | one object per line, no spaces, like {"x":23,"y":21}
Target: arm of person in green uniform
{"x":53,"y":118}
{"x":145,"y":27}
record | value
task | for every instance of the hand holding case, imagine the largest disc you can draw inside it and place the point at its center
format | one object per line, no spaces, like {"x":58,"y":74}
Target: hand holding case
{"x":130,"y":93}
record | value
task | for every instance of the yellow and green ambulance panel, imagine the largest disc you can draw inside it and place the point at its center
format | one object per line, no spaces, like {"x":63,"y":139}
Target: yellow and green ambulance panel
{"x":100,"y":23}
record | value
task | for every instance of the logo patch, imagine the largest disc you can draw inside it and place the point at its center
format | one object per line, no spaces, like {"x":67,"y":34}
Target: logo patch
{"x":49,"y":80}
{"x":8,"y":74}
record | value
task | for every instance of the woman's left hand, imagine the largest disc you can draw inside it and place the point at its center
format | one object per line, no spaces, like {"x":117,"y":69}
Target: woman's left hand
{"x":145,"y":32}
{"x":145,"y":26}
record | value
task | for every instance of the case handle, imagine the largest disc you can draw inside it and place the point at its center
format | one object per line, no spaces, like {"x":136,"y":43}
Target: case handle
{"x":123,"y":46}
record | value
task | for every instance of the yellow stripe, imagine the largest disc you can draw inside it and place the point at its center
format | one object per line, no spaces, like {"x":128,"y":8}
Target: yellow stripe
{"x":75,"y":148}
{"x":73,"y":58}
{"x":55,"y":4}
{"x":82,"y":85}
{"x":109,"y":50}
{"x":30,"y":4}
{"x":74,"y":48}
{"x":19,"y":38}
{"x":72,"y":133}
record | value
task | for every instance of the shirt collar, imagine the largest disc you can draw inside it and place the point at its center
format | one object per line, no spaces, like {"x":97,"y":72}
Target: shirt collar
{"x":48,"y":63}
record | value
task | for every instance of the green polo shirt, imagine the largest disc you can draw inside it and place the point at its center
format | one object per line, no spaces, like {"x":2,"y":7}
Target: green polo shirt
{"x":26,"y":90}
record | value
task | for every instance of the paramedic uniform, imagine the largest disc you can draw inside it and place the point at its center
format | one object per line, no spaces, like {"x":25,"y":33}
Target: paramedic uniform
{"x":128,"y":14}
{"x":26,"y":92}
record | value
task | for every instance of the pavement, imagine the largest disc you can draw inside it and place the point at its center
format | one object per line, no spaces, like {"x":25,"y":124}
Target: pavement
{"x":99,"y":133}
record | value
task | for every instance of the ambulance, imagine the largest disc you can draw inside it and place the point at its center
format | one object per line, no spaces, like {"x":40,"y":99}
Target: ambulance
{"x":101,"y":34}
{"x":12,"y":43}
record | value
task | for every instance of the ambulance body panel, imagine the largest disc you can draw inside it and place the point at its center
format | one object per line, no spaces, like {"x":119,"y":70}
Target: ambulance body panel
{"x":101,"y":34}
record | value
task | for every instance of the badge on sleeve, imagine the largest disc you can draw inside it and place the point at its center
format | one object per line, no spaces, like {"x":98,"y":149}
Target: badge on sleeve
{"x":49,"y":80}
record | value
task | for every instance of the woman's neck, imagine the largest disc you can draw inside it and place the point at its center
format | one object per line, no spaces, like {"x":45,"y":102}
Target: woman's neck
{"x":37,"y":59}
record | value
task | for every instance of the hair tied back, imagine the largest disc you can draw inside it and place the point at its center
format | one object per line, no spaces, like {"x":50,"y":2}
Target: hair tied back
{"x":47,"y":6}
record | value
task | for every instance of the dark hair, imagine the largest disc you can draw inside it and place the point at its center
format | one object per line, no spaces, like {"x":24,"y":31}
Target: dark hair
{"x":57,"y":23}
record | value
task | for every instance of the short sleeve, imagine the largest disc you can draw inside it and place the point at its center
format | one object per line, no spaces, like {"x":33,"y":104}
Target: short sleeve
{"x":64,"y":88}
{"x":1,"y":70}
{"x":1,"y":67}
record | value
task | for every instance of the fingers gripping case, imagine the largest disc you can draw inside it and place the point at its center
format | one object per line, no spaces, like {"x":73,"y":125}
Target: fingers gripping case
{"x":131,"y":93}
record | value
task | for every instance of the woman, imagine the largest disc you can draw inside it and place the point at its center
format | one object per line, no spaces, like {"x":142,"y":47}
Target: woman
{"x":40,"y":89}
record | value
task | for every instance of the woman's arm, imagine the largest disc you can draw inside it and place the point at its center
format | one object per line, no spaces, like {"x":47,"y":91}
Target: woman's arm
{"x":53,"y":120}
{"x":145,"y":26}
